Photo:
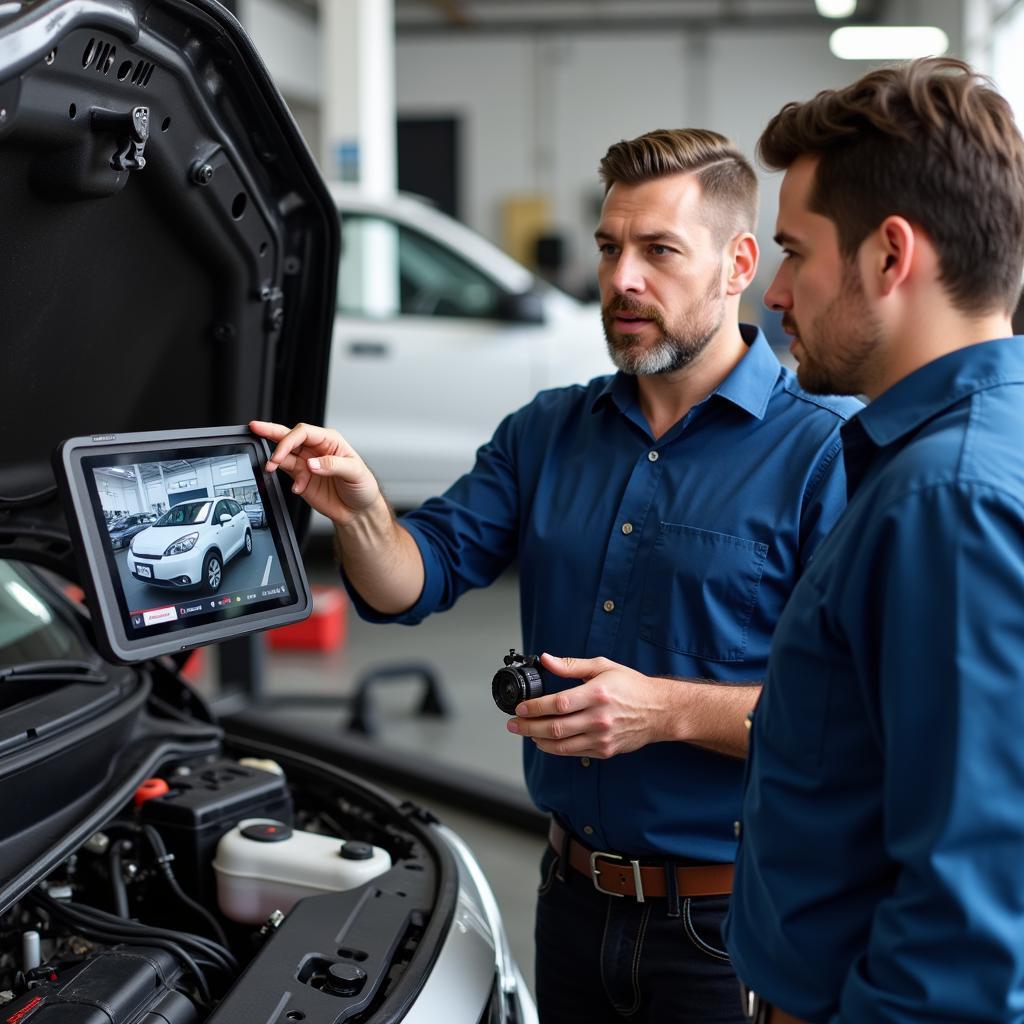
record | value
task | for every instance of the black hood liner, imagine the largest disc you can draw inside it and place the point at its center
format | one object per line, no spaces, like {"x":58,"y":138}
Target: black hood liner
{"x":195,"y":290}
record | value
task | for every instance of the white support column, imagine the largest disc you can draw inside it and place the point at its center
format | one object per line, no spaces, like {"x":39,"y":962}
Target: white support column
{"x":358,"y":114}
{"x":140,"y":490}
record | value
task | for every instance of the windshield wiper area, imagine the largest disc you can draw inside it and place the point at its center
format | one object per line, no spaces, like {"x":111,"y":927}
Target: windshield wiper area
{"x":80,"y":671}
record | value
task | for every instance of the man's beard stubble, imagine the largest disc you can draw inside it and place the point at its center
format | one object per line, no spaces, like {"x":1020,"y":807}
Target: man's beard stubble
{"x":843,"y":341}
{"x":678,"y":345}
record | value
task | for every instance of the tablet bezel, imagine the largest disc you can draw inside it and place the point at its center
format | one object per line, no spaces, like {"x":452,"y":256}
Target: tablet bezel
{"x":91,"y":543}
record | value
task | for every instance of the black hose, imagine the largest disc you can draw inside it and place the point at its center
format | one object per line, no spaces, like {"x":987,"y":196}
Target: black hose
{"x":157,"y":843}
{"x":114,"y":934}
{"x":94,"y":916}
{"x":198,"y":943}
{"x":118,"y":888}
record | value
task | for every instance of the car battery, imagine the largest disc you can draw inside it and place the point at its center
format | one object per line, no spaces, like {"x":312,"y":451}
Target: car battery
{"x":205,"y":801}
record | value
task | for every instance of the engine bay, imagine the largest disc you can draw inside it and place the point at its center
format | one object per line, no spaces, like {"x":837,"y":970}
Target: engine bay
{"x":226,"y":891}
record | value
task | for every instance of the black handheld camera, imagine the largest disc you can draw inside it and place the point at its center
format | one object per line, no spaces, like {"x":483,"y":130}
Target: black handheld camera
{"x":519,"y":680}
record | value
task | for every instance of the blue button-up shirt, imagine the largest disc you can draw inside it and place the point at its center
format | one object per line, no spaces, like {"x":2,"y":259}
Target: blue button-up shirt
{"x":881,"y":870}
{"x":673,"y":556}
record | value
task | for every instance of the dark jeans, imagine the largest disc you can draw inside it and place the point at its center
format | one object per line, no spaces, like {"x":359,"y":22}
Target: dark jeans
{"x":608,"y":959}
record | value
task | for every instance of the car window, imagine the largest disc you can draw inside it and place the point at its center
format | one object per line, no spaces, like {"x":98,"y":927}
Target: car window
{"x":31,"y":629}
{"x":388,"y":268}
{"x":186,"y":514}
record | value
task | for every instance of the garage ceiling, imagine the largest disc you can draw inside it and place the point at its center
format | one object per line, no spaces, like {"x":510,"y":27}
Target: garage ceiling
{"x":478,"y":16}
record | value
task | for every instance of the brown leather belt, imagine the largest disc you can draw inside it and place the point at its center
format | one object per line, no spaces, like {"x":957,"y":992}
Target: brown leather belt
{"x":616,"y":875}
{"x":773,"y":1015}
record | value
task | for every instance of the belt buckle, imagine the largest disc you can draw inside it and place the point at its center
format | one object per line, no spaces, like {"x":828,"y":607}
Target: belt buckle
{"x":754,"y":1007}
{"x":595,"y":874}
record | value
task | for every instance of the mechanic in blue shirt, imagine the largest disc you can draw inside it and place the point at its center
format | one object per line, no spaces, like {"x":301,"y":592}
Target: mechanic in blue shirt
{"x":881,"y":869}
{"x":659,"y":520}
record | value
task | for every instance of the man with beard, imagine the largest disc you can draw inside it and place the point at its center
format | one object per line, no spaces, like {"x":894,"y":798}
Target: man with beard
{"x":659,"y":519}
{"x":881,"y":867}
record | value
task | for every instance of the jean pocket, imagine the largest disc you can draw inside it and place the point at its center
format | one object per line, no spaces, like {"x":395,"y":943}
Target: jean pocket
{"x":548,"y":867}
{"x":702,"y":923}
{"x":700,"y":591}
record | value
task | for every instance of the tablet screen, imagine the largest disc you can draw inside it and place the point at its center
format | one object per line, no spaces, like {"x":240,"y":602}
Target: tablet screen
{"x":189,"y":537}
{"x":182,"y":538}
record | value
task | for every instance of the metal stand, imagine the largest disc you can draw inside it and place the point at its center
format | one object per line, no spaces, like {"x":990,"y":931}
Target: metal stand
{"x":242,"y":663}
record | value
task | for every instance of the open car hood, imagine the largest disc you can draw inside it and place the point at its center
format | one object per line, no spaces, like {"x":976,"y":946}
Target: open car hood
{"x":168,"y":247}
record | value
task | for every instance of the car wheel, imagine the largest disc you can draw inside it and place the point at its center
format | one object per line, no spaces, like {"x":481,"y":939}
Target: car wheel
{"x":213,"y":571}
{"x":248,"y":542}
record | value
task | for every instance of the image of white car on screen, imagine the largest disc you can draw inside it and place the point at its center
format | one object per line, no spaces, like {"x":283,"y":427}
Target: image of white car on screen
{"x":190,"y":545}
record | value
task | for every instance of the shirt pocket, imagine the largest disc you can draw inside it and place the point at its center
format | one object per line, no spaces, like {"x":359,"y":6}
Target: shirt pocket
{"x":700,"y":592}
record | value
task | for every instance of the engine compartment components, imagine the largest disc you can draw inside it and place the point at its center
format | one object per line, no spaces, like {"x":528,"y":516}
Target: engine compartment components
{"x":123,"y":985}
{"x":324,"y":896}
{"x":262,"y":865}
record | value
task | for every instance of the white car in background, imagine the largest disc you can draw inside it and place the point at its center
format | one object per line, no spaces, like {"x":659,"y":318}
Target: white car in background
{"x":189,"y":545}
{"x":438,"y":334}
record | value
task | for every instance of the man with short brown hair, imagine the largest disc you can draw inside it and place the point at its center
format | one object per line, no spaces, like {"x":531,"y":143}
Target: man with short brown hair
{"x":881,"y":870}
{"x":659,"y":519}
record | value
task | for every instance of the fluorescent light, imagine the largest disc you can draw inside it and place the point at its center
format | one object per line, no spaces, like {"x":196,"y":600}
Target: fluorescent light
{"x":888,"y":42}
{"x":835,"y":8}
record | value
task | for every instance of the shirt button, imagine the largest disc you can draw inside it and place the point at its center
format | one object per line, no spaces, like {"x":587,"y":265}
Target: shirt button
{"x":589,"y":831}
{"x":627,"y":528}
{"x":652,"y":456}
{"x":585,"y":761}
{"x":609,"y":606}
{"x":737,"y":828}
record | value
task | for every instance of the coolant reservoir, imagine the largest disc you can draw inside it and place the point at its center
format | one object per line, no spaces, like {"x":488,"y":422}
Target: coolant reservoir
{"x":263,"y":865}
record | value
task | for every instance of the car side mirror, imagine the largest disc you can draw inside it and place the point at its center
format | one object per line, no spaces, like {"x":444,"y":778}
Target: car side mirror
{"x":522,"y":308}
{"x":224,"y":518}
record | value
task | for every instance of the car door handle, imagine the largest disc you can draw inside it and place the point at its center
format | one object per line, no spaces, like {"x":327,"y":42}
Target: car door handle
{"x":369,"y":349}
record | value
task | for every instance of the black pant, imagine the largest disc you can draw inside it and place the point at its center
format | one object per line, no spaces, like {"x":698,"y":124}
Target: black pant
{"x":609,"y":959}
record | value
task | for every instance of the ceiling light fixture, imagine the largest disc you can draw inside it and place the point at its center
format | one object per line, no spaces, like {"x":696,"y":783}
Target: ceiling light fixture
{"x":836,"y":8}
{"x":888,"y":42}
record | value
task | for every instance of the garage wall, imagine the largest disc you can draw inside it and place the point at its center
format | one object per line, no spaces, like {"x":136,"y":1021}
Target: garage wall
{"x":538,"y":112}
{"x":539,"y":109}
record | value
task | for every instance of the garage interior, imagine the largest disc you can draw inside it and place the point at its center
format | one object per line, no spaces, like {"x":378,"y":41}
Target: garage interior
{"x":487,"y":118}
{"x":460,"y":140}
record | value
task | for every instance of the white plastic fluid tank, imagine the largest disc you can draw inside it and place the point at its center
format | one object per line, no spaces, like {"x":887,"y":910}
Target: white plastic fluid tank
{"x":263,"y":865}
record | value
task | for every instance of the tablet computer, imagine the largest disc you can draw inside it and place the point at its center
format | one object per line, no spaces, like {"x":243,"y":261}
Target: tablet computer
{"x":183,"y":539}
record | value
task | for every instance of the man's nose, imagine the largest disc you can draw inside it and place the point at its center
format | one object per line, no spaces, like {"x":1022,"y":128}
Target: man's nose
{"x":628,"y":277}
{"x":778,"y":296}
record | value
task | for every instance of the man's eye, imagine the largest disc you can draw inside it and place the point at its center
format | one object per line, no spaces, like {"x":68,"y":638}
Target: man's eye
{"x":788,"y":254}
{"x":660,"y":250}
{"x":607,"y":249}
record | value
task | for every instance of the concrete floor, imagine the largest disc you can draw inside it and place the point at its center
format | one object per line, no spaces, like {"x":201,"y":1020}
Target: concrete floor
{"x":465,"y":647}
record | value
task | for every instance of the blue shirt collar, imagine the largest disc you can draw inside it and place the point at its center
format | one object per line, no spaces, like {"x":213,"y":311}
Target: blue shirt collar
{"x":749,"y":385}
{"x":940,"y":384}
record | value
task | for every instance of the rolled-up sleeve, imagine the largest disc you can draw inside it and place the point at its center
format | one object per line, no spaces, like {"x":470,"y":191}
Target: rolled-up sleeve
{"x":466,"y":537}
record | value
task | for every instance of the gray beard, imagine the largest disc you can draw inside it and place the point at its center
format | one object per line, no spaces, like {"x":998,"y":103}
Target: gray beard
{"x":678,"y":346}
{"x":671,"y":353}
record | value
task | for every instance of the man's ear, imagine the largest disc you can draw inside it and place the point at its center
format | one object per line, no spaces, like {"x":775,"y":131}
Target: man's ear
{"x":743,"y":256}
{"x":890,"y":254}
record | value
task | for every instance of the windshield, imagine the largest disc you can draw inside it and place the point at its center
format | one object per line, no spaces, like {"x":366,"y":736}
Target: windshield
{"x":30,"y":627}
{"x":186,"y":514}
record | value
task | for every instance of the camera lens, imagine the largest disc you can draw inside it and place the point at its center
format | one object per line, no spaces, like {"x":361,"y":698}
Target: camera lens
{"x":511,"y":686}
